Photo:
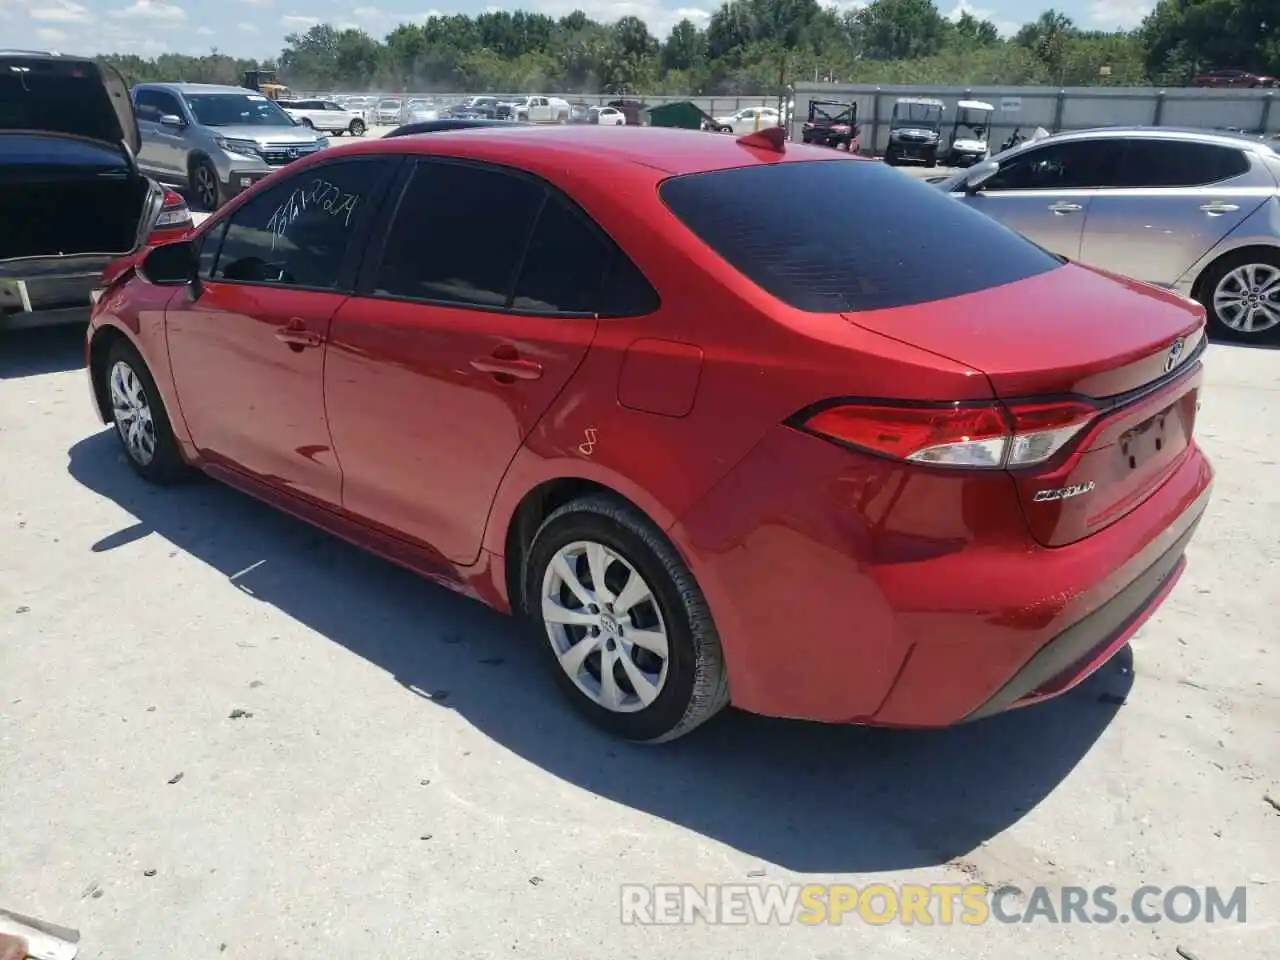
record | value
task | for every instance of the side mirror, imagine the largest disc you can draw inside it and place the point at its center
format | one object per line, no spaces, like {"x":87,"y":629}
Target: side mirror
{"x":169,"y":265}
{"x":172,"y":120}
{"x":979,"y":174}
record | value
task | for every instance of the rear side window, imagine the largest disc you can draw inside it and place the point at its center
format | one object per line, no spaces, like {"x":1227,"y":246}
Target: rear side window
{"x":1175,"y":163}
{"x":832,"y":236}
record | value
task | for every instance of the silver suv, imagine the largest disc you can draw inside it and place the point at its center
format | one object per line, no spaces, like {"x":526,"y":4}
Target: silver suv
{"x":216,"y":140}
{"x":1191,"y":210}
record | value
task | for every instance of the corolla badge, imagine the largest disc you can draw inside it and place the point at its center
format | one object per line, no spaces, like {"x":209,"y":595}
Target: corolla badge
{"x":1063,"y":493}
{"x":1174,"y":356}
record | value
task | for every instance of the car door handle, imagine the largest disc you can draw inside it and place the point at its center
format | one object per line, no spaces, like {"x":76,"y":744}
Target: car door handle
{"x":507,"y":368}
{"x":297,"y":336}
{"x":1220,"y":208}
{"x":1065,"y":206}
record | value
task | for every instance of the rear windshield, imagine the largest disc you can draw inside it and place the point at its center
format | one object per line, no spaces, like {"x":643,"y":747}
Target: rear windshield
{"x":833,"y":236}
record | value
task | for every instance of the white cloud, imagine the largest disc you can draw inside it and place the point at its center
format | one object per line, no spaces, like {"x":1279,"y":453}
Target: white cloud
{"x":258,"y":3}
{"x":51,"y":34}
{"x":248,"y":27}
{"x":152,"y":10}
{"x":297,"y":22}
{"x":1117,"y":14}
{"x":1006,"y":28}
{"x":205,"y":31}
{"x":60,"y":11}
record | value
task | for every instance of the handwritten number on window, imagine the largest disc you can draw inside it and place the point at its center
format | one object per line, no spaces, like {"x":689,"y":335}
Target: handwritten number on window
{"x":319,"y":195}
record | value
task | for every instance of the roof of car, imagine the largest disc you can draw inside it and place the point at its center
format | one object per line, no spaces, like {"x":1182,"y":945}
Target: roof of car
{"x":669,"y":150}
{"x":1198,"y":135}
{"x":196,"y":87}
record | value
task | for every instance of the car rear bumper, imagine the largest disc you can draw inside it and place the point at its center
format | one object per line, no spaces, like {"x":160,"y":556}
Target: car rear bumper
{"x":849,"y":589}
{"x":42,"y":292}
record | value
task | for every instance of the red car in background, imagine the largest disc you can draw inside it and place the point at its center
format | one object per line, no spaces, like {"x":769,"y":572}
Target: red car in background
{"x":1232,"y":78}
{"x":889,"y":463}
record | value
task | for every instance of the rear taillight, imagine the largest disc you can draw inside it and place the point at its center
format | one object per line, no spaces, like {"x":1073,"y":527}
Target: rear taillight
{"x":990,"y":436}
{"x":174,"y":213}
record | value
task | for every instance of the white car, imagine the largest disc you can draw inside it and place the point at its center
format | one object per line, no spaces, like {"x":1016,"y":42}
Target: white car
{"x":417,"y":111}
{"x":751,"y":119}
{"x":608,"y":116}
{"x":539,"y":109}
{"x":388,"y":112}
{"x":326,"y":116}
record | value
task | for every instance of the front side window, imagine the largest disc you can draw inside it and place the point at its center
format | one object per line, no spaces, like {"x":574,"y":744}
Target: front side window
{"x":1073,"y":165}
{"x":236,"y":110}
{"x":1179,"y":163}
{"x":299,"y":232}
{"x":154,"y":104}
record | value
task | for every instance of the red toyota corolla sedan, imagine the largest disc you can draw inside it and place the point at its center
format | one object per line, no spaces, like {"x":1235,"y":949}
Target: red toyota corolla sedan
{"x":726,"y":420}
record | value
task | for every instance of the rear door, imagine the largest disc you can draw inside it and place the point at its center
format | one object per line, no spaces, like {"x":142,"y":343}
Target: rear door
{"x":1172,"y":202}
{"x":1044,"y":192}
{"x":457,"y":341}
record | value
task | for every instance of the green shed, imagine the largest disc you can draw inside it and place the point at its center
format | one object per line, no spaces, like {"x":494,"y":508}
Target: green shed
{"x":684,"y":114}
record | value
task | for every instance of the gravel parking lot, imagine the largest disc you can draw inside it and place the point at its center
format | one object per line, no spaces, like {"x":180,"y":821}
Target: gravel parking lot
{"x":404,"y":779}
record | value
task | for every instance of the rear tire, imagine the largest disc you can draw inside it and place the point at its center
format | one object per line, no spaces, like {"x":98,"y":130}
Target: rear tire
{"x":357,"y":128}
{"x":618,"y":680}
{"x":308,"y":124}
{"x":141,"y":423}
{"x":1242,"y":290}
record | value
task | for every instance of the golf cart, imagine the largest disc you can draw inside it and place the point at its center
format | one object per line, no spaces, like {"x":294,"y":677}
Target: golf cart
{"x":970,"y":133}
{"x":832,"y":124}
{"x":915,"y":131}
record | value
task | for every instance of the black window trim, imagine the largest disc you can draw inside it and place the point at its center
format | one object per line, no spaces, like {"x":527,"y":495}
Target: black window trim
{"x":1175,"y":141}
{"x":372,"y":259}
{"x":349,"y":268}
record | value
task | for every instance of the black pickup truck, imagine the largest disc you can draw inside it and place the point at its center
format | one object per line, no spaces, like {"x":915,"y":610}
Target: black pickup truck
{"x":72,"y":198}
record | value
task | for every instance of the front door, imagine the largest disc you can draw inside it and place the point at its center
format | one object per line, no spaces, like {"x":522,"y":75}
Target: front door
{"x":457,"y":342}
{"x":1044,"y":192}
{"x":1174,"y":201}
{"x":247,"y":342}
{"x":163,"y":150}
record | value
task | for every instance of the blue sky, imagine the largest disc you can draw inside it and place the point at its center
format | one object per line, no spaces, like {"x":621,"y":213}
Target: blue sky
{"x":257,"y":27}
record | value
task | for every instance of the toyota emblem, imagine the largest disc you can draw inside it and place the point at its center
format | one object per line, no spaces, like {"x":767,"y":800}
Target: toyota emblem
{"x":293,"y":152}
{"x":1175,"y":354}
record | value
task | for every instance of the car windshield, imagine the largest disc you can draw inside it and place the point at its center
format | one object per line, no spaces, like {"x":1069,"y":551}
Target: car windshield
{"x":389,"y":105}
{"x":868,"y":251}
{"x":919,"y":113}
{"x":236,"y":110}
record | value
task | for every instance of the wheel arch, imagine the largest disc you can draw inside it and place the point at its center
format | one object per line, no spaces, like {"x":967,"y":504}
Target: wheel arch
{"x":99,"y":348}
{"x":533,"y":509}
{"x":1203,"y":272}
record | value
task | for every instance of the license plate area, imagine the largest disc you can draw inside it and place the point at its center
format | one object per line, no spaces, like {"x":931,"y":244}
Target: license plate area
{"x":1148,"y":439}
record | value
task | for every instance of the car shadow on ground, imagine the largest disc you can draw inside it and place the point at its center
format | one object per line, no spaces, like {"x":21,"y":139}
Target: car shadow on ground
{"x":804,"y":796}
{"x":40,"y":350}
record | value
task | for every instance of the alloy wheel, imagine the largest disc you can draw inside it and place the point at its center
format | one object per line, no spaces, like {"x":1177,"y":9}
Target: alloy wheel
{"x":131,"y":411}
{"x":604,"y":626}
{"x":1247,"y":299}
{"x":206,"y":187}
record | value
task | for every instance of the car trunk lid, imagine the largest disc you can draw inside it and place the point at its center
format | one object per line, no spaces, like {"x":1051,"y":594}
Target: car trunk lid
{"x":65,"y":95}
{"x":1128,"y":350}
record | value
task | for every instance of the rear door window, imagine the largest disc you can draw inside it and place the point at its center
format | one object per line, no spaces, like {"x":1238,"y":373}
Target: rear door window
{"x":1071,"y":165}
{"x":832,"y":236}
{"x":1178,"y":163}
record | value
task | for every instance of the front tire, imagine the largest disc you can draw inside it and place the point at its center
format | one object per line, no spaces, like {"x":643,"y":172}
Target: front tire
{"x":142,"y":425}
{"x":203,"y":176}
{"x":624,"y":627}
{"x":1241,"y":295}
